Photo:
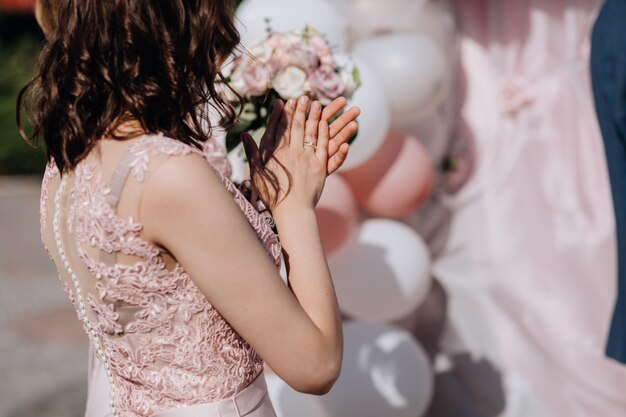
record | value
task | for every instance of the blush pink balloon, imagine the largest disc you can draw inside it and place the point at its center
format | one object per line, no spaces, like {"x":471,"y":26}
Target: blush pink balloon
{"x":397,"y":180}
{"x":337,"y":213}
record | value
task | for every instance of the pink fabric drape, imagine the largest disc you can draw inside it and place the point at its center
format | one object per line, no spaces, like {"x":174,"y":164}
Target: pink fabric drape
{"x":529,"y":265}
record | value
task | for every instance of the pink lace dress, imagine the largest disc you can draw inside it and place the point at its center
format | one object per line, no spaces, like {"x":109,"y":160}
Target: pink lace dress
{"x":160,"y":349}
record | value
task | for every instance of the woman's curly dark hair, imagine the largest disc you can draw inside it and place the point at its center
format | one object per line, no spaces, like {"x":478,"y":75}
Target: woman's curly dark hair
{"x":106,"y":62}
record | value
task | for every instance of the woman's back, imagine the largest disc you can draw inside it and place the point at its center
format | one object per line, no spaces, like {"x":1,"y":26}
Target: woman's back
{"x":162,"y":343}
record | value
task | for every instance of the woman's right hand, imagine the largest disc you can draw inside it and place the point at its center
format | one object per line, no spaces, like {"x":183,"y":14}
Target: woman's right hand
{"x":289,"y":168}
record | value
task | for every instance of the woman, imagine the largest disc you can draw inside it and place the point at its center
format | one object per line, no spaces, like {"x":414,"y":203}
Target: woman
{"x":171,"y":270}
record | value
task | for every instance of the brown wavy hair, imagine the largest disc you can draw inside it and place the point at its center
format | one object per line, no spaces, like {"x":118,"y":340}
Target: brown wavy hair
{"x":107,"y":62}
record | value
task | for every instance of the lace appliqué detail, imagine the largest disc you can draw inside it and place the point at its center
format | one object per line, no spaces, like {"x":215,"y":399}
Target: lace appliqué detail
{"x":164,"y":342}
{"x":96,"y":222}
{"x":217,"y":157}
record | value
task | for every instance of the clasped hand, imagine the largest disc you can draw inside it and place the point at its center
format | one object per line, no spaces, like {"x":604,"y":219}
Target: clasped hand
{"x":298,"y":151}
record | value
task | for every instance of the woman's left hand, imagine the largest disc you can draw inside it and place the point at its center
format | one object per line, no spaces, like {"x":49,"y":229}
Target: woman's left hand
{"x":340,"y":131}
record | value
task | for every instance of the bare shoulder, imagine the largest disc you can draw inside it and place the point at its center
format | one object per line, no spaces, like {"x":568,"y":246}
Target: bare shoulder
{"x":182,"y":188}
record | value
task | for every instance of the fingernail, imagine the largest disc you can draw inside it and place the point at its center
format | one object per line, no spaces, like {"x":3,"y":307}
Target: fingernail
{"x":316,"y":106}
{"x":304,"y":99}
{"x":291,"y":102}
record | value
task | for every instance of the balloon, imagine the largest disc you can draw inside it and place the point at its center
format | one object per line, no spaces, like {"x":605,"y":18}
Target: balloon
{"x":385,"y":372}
{"x":396,"y":181}
{"x":375,"y":17}
{"x":375,"y":118}
{"x":383,"y":274}
{"x":18,"y":5}
{"x":239,"y":166}
{"x":414,"y":71}
{"x":337,"y":213}
{"x":436,"y":21}
{"x":289,"y":403}
{"x":288,"y":15}
{"x":433,"y":133}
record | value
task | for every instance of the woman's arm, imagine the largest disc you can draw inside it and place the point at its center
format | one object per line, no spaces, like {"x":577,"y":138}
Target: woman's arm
{"x":187,"y":210}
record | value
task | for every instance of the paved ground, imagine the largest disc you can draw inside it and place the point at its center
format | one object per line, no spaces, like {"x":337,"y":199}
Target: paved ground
{"x":43,"y":352}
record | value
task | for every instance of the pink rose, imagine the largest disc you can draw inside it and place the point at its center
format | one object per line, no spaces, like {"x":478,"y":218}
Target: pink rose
{"x":275,"y":66}
{"x":327,"y":83}
{"x":277,"y":40}
{"x":304,"y":56}
{"x":281,"y":58}
{"x":257,"y":78}
{"x":323,"y":50}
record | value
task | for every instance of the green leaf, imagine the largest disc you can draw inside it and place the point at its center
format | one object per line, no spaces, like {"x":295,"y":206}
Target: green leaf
{"x":356,"y":74}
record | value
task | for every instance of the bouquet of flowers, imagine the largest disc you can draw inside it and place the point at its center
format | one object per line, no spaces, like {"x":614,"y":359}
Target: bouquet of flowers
{"x":285,"y":65}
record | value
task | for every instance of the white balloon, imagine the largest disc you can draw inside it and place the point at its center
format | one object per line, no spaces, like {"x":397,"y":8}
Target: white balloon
{"x":433,"y":132}
{"x":375,"y":119}
{"x":385,"y":372}
{"x":373,"y":17}
{"x":414,"y":72}
{"x":436,"y":20}
{"x":288,"y":402}
{"x":288,"y":15}
{"x":383,"y":274}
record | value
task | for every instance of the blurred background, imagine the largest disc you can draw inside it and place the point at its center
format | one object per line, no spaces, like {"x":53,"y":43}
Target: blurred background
{"x":471,"y":235}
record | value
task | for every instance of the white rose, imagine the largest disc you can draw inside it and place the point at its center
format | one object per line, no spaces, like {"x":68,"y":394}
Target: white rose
{"x":347,"y":77}
{"x":292,"y":82}
{"x":262,"y":51}
{"x":291,"y":38}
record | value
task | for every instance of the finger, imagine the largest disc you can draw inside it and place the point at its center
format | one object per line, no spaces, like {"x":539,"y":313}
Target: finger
{"x":342,"y":137}
{"x":333,"y":108}
{"x":296,"y":134}
{"x":252,"y":152}
{"x":313,"y":122}
{"x":336,"y":161}
{"x":342,"y":121}
{"x":284,"y":126}
{"x":322,"y":141}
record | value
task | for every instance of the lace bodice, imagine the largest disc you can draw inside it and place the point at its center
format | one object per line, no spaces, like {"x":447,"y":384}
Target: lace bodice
{"x":163,"y":344}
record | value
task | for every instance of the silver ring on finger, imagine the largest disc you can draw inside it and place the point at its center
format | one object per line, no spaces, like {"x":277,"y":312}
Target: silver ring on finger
{"x":310,"y":145}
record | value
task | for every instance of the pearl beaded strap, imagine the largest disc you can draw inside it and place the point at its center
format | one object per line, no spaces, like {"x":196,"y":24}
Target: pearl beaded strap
{"x":77,"y":290}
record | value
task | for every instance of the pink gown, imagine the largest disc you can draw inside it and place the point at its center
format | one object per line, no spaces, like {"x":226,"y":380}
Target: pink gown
{"x":158,"y":347}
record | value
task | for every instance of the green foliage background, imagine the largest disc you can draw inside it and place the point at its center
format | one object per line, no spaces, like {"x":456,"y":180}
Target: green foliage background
{"x":20,"y":38}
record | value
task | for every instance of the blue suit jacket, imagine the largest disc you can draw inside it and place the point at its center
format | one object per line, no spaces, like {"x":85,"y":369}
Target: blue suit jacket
{"x":608,"y":72}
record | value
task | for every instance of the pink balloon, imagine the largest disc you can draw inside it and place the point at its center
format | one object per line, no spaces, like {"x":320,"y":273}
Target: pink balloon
{"x":337,"y":213}
{"x":397,"y":180}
